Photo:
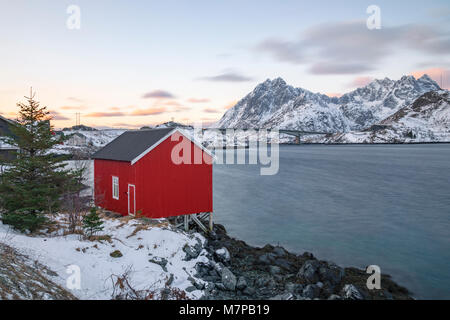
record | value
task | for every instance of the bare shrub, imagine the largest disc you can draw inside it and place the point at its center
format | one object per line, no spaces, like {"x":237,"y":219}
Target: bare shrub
{"x":77,"y":202}
{"x":123,"y":290}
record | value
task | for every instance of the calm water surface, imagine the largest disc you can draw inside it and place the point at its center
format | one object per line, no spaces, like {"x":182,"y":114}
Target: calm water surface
{"x":387,"y":205}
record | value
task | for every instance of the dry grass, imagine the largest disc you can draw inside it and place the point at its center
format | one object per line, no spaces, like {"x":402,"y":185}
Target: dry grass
{"x":21,"y":278}
{"x":138,"y":228}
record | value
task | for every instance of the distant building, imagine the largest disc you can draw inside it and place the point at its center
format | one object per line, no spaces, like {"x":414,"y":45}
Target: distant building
{"x":76,"y":140}
{"x":7,"y":152}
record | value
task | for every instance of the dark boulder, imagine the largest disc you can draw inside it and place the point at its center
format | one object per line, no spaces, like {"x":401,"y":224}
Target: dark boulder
{"x":311,"y":291}
{"x":309,"y":271}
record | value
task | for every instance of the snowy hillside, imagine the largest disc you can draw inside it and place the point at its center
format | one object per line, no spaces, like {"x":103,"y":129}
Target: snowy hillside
{"x":87,"y":141}
{"x":153,"y":256}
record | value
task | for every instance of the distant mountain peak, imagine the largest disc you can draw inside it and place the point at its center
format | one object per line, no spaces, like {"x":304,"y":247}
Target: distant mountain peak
{"x":425,"y":77}
{"x":275,"y":104}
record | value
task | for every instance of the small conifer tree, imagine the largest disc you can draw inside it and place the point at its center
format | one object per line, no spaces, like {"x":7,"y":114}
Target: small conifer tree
{"x":92,"y":223}
{"x":32,"y":185}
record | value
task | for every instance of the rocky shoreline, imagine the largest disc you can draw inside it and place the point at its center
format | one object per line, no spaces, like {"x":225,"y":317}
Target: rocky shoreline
{"x":238,"y":271}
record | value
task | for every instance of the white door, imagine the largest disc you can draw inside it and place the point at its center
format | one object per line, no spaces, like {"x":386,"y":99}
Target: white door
{"x":131,"y":199}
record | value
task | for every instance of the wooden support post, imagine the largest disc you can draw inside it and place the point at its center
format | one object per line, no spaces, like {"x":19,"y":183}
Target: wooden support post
{"x":199,"y":223}
{"x":210,"y":222}
{"x":186,"y":222}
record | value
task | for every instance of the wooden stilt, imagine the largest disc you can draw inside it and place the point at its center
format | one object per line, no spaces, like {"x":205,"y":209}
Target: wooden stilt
{"x":199,"y":223}
{"x":186,"y":222}
{"x":210,"y":222}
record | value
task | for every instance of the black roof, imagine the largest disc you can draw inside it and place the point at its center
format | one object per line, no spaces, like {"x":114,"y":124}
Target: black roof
{"x":5,"y":126}
{"x":131,"y":144}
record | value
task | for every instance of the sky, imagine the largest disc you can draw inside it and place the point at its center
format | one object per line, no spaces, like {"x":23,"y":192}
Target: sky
{"x":136,"y":63}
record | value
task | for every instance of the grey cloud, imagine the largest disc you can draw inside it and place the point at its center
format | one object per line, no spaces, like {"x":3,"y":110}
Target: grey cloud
{"x":339,"y":68}
{"x":228,"y":77}
{"x":282,"y":50}
{"x":351,"y":48}
{"x":158,"y":94}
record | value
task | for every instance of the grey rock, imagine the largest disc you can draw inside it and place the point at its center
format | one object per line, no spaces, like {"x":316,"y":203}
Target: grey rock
{"x":274,"y":270}
{"x":192,"y":252}
{"x":223,"y":254}
{"x":334,"y":297}
{"x":241,"y":283}
{"x":160,"y":261}
{"x":271,"y":284}
{"x":279,"y":251}
{"x":218,"y":267}
{"x":220,"y":286}
{"x":311,"y":291}
{"x":199,"y":285}
{"x":214,"y":273}
{"x":332,"y":273}
{"x":308,"y":271}
{"x":210,"y":286}
{"x":203,"y":269}
{"x":190,"y":289}
{"x":228,"y":279}
{"x":283,"y":296}
{"x":294,"y":288}
{"x":267,"y":258}
{"x":211,"y":278}
{"x":285,"y":264}
{"x":249,"y":291}
{"x":261,"y":282}
{"x":265,"y":282}
{"x":349,"y":291}
{"x":290,"y":287}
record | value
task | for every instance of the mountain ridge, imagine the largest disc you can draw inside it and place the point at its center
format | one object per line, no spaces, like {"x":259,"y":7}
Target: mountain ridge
{"x":275,"y":104}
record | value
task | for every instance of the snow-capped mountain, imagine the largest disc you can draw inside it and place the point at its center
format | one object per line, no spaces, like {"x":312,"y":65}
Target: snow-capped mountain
{"x":381,"y":98}
{"x":274,"y":104}
{"x":427,"y":119}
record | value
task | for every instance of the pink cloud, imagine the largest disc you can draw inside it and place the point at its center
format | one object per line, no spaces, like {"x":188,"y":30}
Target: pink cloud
{"x":72,"y":107}
{"x":148,"y":111}
{"x":333,"y":94}
{"x":210,"y":110}
{"x":198,"y":100}
{"x":436,"y":74}
{"x":55,"y":115}
{"x":105,"y":114}
{"x":360,"y":82}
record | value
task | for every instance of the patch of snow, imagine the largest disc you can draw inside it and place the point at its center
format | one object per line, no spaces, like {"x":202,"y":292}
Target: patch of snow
{"x":58,"y":252}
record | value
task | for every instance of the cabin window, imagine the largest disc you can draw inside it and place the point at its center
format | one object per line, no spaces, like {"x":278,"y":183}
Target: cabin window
{"x":115,"y":188}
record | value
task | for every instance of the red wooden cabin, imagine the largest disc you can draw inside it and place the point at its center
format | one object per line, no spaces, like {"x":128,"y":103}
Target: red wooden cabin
{"x":135,"y":173}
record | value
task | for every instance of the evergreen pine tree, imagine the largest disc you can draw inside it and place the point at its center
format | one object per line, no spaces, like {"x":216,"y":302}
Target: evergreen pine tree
{"x":92,"y":223}
{"x":33,"y":183}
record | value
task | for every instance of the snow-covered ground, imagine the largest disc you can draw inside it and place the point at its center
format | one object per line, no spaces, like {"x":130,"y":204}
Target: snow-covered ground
{"x":98,"y":269}
{"x":138,"y":240}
